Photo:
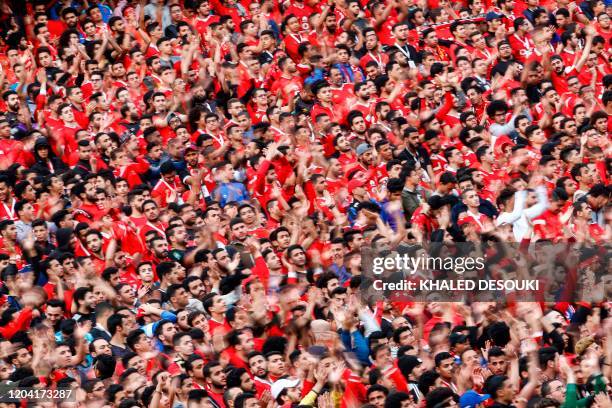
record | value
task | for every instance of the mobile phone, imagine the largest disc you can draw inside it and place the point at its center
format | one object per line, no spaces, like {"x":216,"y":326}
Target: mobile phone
{"x":246,"y":260}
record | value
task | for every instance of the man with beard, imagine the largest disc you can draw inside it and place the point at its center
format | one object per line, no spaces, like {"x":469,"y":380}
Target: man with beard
{"x":358,"y":126}
{"x":497,"y":361}
{"x":258,"y":366}
{"x":241,"y":345}
{"x":240,"y":377}
{"x":11,"y":99}
{"x":150,"y":209}
{"x":344,"y":153}
{"x":414,"y":153}
{"x":95,"y":246}
{"x":239,"y":234}
{"x":158,"y":250}
{"x":195,"y":287}
{"x":129,"y":124}
{"x":560,"y":74}
{"x":85,"y":303}
{"x":177,"y":238}
{"x":189,"y":217}
{"x":88,"y":210}
{"x":216,"y":380}
{"x":135,"y":199}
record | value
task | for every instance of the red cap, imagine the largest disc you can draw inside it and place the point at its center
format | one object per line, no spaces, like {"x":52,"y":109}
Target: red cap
{"x":465,"y":220}
{"x":354,"y":183}
{"x":501,"y":142}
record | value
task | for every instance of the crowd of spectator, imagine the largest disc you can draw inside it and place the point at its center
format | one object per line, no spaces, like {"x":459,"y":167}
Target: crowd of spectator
{"x":187,"y":188}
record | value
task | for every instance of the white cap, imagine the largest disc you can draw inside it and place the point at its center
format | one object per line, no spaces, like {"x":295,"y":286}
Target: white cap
{"x":281,"y":384}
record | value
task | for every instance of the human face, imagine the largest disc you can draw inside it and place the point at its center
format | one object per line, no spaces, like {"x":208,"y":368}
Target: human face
{"x":471,"y":199}
{"x":160,"y":248}
{"x":246,"y":344}
{"x":94,"y":243}
{"x":218,"y":305}
{"x":284,"y":239}
{"x":325,"y":94}
{"x":258,"y":366}
{"x":67,"y":115}
{"x":168,"y":331}
{"x":359,"y":125}
{"x":470,"y":358}
{"x":185,"y":346}
{"x":557,"y":391}
{"x":217,"y":377}
{"x":377,"y":398}
{"x":64,"y":356}
{"x":54,"y":314}
{"x":102,"y":347}
{"x":276,"y":365}
{"x":196,"y":288}
{"x":401,"y":32}
{"x":298,"y":257}
{"x":145,"y":273}
{"x":497,"y":365}
{"x":151,"y":211}
{"x":446,"y":368}
{"x":127,"y":295}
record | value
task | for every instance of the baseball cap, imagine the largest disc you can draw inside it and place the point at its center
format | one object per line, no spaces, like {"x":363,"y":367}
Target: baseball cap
{"x":491,"y":15}
{"x":281,"y":384}
{"x":362,"y":148}
{"x":355,"y":183}
{"x":466,"y":220}
{"x":471,"y":398}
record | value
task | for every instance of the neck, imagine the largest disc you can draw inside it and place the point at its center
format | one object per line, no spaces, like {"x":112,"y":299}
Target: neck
{"x":177,"y":245}
{"x":217,"y":316}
